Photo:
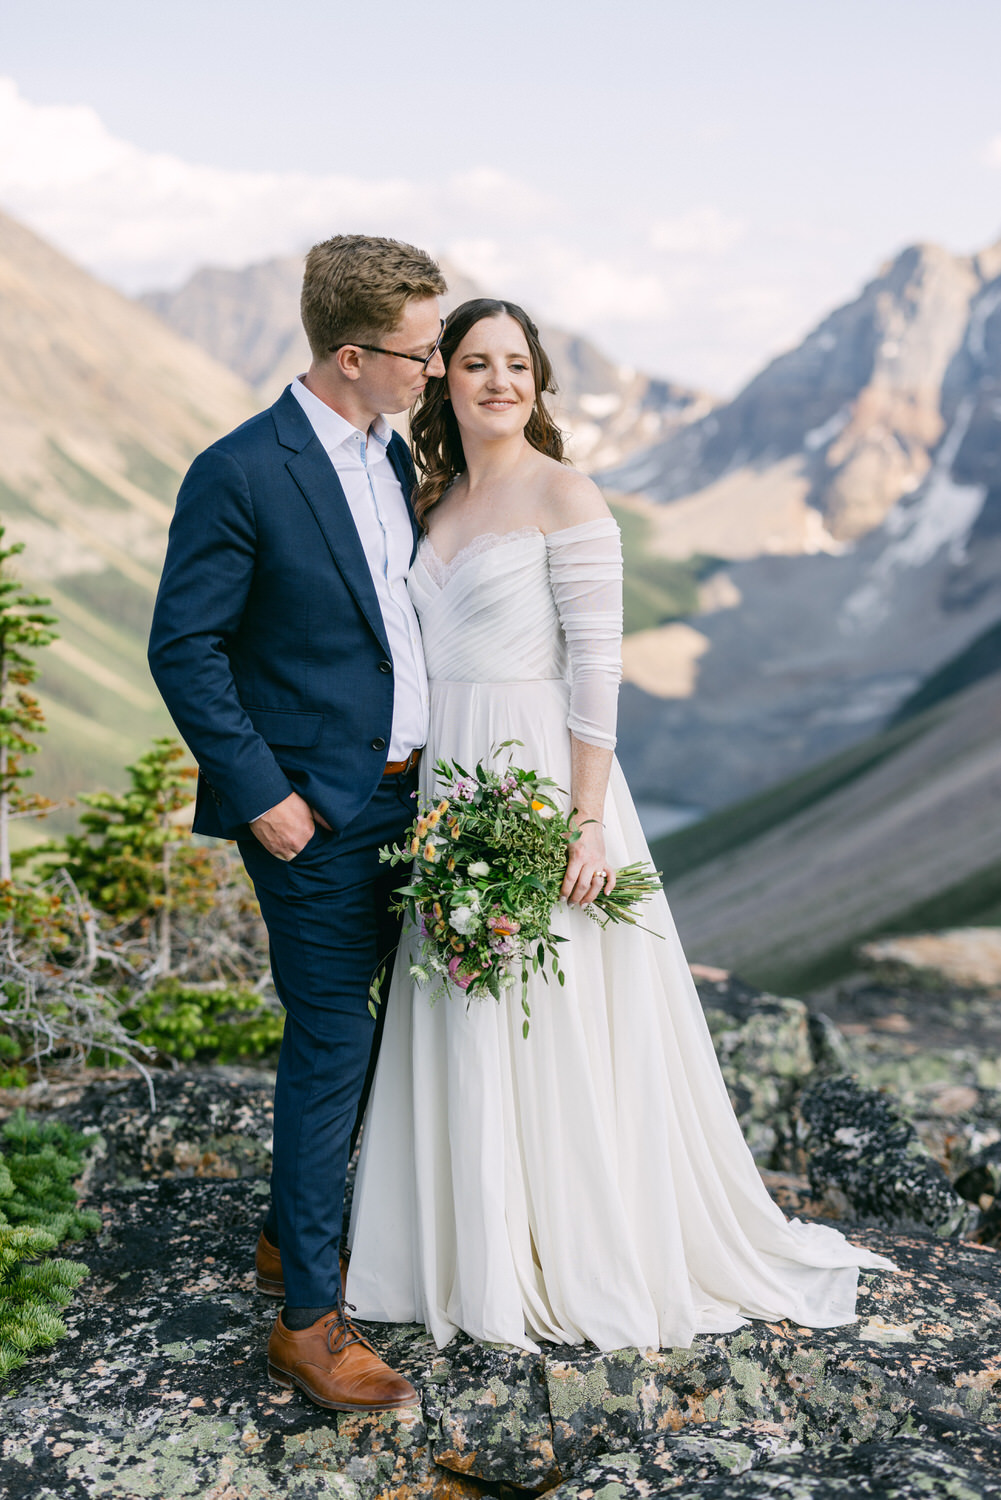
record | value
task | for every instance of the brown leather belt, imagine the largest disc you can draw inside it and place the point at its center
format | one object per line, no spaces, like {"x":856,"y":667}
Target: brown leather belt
{"x":397,"y":767}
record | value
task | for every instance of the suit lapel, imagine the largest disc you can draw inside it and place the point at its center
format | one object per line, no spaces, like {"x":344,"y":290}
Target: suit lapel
{"x":403,"y":465}
{"x":316,"y":477}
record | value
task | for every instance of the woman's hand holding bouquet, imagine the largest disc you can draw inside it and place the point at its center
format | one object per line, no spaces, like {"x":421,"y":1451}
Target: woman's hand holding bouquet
{"x":489,"y":859}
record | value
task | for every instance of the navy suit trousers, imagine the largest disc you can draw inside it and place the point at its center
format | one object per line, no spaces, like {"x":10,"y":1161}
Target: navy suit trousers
{"x":330,"y":930}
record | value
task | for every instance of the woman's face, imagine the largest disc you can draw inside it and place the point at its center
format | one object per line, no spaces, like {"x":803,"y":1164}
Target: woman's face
{"x":490,"y":381}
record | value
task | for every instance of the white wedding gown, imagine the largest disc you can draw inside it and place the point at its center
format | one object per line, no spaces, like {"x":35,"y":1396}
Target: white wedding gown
{"x":590,"y":1182}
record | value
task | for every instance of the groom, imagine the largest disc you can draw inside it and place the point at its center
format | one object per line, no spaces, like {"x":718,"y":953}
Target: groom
{"x":289,"y":655}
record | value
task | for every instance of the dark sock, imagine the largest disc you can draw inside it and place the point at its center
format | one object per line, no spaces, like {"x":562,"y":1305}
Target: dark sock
{"x":298,"y":1318}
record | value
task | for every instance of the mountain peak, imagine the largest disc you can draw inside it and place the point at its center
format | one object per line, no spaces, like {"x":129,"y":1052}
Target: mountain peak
{"x":855,"y":411}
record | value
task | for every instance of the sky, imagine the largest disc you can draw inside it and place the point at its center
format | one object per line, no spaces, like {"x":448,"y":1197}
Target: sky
{"x":693,"y":185}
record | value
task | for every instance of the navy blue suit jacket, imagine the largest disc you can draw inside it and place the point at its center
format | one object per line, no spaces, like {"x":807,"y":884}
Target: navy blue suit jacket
{"x":268,"y":643}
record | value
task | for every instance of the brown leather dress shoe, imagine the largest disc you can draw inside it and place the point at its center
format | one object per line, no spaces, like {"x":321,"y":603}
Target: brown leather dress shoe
{"x":268,"y":1268}
{"x":268,"y":1276}
{"x":335,"y":1366}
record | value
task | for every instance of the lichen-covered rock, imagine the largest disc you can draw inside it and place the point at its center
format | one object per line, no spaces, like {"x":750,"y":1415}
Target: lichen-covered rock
{"x":765,"y":1054}
{"x":982,"y":1177}
{"x":899,"y":1468}
{"x":490,"y":1413}
{"x":758,"y":1466}
{"x":161,"y":1389}
{"x":865,"y":1161}
{"x":667,"y":1461}
{"x":209,"y":1122}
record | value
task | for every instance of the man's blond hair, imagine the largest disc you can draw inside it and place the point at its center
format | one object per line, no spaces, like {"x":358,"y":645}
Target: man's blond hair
{"x":356,"y":286}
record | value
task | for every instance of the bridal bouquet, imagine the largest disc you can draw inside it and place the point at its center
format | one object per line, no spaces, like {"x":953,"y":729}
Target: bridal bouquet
{"x":488,"y":860}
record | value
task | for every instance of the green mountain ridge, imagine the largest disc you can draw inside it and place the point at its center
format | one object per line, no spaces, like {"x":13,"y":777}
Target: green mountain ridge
{"x":101,"y":410}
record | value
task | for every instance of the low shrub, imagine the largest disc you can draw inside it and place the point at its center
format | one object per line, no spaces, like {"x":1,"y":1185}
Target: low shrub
{"x":200,"y":1022}
{"x":38,"y":1210}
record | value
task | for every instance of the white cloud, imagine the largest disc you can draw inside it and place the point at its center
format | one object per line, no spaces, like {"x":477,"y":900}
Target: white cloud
{"x":651,"y":295}
{"x":991,"y":154}
{"x":698,"y":231}
{"x":143,"y":219}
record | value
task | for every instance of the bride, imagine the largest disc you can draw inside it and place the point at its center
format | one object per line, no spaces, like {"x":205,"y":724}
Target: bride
{"x":590,"y":1181}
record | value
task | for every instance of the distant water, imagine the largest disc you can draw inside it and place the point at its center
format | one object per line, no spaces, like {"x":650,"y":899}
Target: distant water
{"x":662,"y":818}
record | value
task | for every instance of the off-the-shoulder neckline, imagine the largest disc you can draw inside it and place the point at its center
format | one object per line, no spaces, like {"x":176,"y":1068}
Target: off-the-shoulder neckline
{"x":441,"y":572}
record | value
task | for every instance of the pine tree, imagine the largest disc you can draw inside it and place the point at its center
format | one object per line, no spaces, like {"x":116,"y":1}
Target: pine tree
{"x":134,"y":859}
{"x":24,"y":626}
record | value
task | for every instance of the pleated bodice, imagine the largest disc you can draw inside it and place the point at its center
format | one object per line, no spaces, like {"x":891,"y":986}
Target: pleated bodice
{"x":489,"y":615}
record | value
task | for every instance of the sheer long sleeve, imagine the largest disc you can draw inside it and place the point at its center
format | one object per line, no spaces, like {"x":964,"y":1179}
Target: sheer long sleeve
{"x":585,"y":570}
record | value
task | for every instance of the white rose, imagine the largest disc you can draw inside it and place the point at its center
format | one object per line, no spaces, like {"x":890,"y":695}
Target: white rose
{"x":479,"y":869}
{"x":463,"y":919}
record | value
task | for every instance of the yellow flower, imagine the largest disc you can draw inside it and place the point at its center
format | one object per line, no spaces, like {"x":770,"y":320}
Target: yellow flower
{"x":430,"y":852}
{"x":436,"y":908}
{"x":415,"y":846}
{"x":434,"y":818}
{"x":455,"y":831}
{"x":451,"y":863}
{"x":537,"y":806}
{"x":458,"y":944}
{"x":443,"y":806}
{"x":422,"y":827}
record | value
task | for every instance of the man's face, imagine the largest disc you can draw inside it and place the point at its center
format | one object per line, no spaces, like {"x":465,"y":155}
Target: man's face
{"x":389,"y":384}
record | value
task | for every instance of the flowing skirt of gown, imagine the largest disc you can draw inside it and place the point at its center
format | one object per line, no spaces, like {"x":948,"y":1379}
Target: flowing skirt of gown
{"x":590,"y":1182}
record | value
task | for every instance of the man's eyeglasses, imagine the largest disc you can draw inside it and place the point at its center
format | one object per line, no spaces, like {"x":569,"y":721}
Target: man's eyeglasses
{"x":419,"y":359}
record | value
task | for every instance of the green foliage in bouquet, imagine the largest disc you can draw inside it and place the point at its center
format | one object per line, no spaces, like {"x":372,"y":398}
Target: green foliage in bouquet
{"x":192,"y":1022}
{"x":38,"y":1209}
{"x":488,"y":861}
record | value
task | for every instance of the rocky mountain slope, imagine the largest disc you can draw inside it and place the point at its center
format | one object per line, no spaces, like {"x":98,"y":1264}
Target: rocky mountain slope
{"x":249,"y":320}
{"x":852,"y":493}
{"x":101,"y":409}
{"x":898,"y":833}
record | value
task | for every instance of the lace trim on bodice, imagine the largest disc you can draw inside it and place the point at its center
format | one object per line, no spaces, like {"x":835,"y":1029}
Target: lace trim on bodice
{"x":441,"y":572}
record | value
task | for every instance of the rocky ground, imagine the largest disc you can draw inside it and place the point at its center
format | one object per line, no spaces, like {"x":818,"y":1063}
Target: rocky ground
{"x":160,"y":1388}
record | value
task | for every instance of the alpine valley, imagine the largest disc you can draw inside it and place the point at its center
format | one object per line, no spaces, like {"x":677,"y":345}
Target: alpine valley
{"x":813,"y":569}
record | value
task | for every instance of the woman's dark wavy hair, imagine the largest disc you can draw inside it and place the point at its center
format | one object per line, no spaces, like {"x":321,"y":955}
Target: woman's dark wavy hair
{"x":434,"y":432}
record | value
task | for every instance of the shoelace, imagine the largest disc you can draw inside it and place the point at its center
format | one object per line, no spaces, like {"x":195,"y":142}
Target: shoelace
{"x":342,"y":1333}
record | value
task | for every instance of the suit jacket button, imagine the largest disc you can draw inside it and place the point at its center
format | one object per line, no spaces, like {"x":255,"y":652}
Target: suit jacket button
{"x":385,"y":666}
{"x":378,"y":743}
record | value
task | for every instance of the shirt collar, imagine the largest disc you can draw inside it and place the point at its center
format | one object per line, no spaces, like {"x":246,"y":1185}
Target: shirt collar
{"x":330,"y":427}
